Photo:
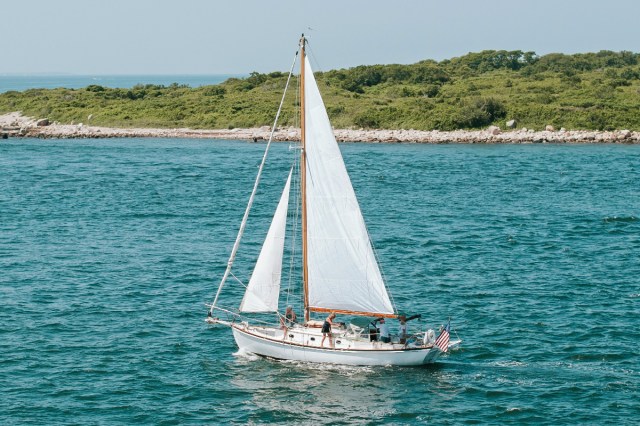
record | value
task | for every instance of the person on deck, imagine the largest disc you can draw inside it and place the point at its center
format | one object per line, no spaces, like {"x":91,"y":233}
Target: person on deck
{"x":287,"y":321}
{"x":290,"y":317}
{"x":383,"y":328}
{"x":402,"y":330}
{"x":326,"y":329}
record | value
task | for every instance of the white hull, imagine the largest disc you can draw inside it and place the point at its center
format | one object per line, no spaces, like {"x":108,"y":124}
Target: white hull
{"x":346,"y":351}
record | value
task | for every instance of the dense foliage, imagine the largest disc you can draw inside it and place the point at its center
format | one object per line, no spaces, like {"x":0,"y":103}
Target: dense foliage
{"x":581,"y":91}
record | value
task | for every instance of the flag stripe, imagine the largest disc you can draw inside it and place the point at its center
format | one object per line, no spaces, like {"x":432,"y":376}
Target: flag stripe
{"x":442,"y":341}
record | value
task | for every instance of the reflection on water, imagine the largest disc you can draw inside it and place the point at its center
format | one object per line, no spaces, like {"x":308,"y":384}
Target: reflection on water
{"x":325,"y":393}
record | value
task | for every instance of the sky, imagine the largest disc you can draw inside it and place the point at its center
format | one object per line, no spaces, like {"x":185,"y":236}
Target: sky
{"x":240,"y":36}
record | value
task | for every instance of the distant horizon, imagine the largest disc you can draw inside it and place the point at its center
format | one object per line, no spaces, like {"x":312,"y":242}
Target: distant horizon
{"x":244,"y":74}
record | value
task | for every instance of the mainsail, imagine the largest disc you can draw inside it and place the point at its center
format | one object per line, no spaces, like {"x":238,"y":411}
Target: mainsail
{"x":343,"y":273}
{"x":264,"y":286}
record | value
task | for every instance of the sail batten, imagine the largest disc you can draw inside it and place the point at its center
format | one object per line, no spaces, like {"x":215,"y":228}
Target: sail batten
{"x":343,"y":273}
{"x":264,"y":286}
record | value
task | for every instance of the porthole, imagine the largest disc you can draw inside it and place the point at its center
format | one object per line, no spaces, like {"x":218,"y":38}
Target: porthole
{"x":313,"y":339}
{"x":338,"y":342}
{"x":291,"y":336}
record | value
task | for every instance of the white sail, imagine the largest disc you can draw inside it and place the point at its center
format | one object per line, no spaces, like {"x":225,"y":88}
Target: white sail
{"x":264,"y":286}
{"x":343,"y":273}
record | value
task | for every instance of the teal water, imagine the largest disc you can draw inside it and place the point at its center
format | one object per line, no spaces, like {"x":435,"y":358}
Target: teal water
{"x":109,"y":250}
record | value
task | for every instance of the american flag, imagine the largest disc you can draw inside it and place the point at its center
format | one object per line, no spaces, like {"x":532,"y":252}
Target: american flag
{"x":442,"y":341}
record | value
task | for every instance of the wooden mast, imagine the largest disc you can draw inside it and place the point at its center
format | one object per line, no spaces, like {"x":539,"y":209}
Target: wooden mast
{"x":303,"y":182}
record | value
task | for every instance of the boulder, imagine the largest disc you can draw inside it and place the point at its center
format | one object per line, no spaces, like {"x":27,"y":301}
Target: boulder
{"x":42,"y":122}
{"x":625,"y":134}
{"x":549,"y":128}
{"x":493,"y":130}
{"x":511,"y":124}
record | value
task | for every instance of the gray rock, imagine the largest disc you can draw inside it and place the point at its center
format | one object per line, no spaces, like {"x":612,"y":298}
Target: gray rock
{"x":42,"y":122}
{"x":549,"y":128}
{"x":494,"y":130}
{"x":625,"y":133}
{"x":511,"y":124}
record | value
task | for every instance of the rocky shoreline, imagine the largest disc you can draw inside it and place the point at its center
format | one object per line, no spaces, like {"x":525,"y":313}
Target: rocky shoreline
{"x":16,"y":125}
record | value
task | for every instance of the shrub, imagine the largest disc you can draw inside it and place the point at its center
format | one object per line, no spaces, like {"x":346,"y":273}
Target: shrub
{"x":94,"y":88}
{"x":367,"y":120}
{"x":218,"y":91}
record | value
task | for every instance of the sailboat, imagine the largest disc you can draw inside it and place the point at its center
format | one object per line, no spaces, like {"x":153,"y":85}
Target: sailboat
{"x":340,"y":273}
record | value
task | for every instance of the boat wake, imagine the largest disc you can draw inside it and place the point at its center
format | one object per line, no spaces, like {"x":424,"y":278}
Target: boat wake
{"x":344,"y":369}
{"x":246,"y":355}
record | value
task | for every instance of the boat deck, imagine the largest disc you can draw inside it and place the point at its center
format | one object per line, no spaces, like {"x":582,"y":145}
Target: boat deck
{"x":343,"y":338}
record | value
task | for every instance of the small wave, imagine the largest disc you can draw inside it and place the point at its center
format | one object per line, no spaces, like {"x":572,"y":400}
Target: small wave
{"x":153,"y":215}
{"x":510,"y":364}
{"x":622,"y":219}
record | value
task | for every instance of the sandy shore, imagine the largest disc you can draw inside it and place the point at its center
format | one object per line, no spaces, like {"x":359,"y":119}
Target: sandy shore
{"x":16,"y":125}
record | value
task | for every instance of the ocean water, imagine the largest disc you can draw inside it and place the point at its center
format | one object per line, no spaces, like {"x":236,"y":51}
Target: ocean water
{"x":42,"y":81}
{"x":110,"y":249}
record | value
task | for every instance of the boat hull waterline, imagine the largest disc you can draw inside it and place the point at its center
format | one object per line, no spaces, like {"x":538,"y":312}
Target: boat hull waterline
{"x":277,"y":348}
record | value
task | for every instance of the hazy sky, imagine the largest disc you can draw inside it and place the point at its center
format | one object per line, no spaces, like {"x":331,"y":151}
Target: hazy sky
{"x":239,"y":36}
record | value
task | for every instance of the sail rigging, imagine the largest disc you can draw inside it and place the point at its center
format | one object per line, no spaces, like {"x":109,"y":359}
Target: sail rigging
{"x":243,"y":224}
{"x":263,"y":290}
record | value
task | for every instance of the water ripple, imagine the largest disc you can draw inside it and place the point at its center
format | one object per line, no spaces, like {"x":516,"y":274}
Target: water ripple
{"x":110,"y":249}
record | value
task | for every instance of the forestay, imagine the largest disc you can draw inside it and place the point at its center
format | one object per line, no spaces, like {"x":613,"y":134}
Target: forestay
{"x":343,"y":273}
{"x":264,"y":286}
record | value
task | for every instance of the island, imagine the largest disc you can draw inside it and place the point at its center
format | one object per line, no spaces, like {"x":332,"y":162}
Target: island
{"x":485,"y":97}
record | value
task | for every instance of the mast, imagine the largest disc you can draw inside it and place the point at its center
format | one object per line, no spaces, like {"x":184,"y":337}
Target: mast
{"x":303,"y":181}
